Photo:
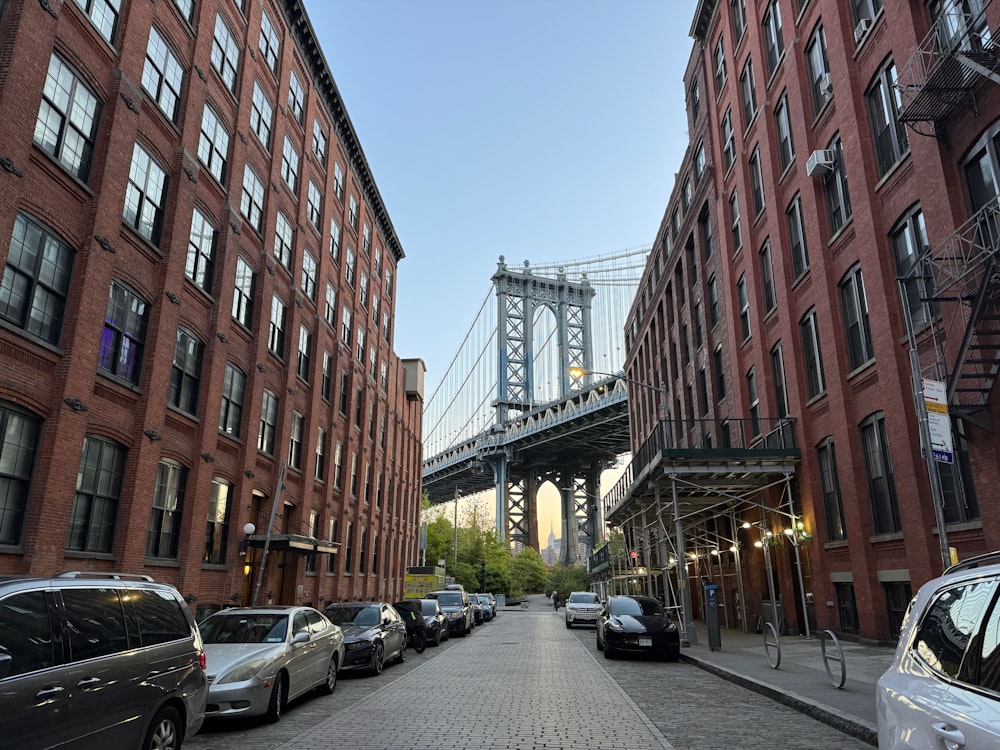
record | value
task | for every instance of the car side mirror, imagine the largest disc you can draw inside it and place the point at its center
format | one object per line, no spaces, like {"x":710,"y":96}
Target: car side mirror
{"x":300,"y":637}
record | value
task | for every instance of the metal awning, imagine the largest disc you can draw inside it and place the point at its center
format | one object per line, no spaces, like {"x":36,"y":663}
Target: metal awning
{"x":293,"y":543}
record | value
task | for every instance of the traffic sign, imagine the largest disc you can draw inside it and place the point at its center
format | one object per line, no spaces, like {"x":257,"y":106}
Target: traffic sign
{"x":938,"y":421}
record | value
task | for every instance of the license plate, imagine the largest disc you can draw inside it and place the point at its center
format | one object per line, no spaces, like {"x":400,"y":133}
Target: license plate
{"x":645,"y":642}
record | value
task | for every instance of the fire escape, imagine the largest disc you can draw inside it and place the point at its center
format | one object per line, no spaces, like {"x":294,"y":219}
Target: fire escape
{"x":952,"y":291}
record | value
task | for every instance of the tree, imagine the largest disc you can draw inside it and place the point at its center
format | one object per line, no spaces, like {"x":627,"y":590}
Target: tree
{"x":528,"y":574}
{"x":566,"y":579}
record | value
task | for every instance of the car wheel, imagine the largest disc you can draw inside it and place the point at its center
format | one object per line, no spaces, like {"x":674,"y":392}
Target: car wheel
{"x":600,"y":645}
{"x":437,"y":639}
{"x":402,"y":651}
{"x":609,"y":652}
{"x":378,"y":658}
{"x":165,"y":732}
{"x":330,"y":683}
{"x":569,"y":624}
{"x":277,"y":702}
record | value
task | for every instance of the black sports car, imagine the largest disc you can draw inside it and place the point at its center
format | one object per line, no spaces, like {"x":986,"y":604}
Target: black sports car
{"x":637,"y":625}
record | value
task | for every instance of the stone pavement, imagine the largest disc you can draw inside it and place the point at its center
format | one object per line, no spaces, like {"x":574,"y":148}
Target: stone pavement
{"x":801,"y":680}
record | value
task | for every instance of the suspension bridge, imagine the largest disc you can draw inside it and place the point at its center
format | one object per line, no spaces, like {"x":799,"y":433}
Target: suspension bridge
{"x":533,"y":395}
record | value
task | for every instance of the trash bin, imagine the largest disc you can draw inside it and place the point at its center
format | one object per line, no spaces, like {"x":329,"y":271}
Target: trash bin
{"x":712,"y":616}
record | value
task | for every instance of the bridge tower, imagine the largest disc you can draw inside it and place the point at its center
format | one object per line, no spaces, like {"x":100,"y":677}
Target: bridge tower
{"x":520,"y":295}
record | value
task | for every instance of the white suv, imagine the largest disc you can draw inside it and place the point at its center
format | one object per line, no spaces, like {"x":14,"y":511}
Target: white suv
{"x":943,"y":688}
{"x":581,"y":608}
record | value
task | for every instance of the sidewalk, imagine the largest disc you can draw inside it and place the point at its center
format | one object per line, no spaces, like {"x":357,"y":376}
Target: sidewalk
{"x":801,"y":680}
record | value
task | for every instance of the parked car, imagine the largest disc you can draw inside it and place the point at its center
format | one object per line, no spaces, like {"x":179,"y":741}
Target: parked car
{"x":260,"y":658}
{"x":435,"y":621}
{"x":457,"y":608}
{"x":637,"y":625}
{"x":98,"y":661}
{"x":413,"y":617}
{"x":374,"y":633}
{"x":485,"y":606}
{"x":582,"y":608}
{"x":942,"y":687}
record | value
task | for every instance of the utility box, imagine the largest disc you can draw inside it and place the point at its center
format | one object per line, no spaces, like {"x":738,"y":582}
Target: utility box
{"x":712,"y":616}
{"x":421,"y":580}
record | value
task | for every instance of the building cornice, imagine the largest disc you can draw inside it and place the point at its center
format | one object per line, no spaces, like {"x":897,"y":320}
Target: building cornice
{"x":702,"y":20}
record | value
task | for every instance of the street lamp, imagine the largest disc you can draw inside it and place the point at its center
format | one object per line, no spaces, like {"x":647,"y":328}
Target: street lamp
{"x":248,"y":529}
{"x":766,"y":541}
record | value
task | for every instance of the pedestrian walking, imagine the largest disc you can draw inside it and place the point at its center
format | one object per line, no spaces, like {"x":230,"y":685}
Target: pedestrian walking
{"x":555,"y":600}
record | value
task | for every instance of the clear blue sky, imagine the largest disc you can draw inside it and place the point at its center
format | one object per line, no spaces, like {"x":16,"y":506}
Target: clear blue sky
{"x":541,"y":130}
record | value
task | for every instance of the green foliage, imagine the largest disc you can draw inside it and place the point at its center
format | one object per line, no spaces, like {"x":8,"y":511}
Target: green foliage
{"x":528,"y":574}
{"x":566,"y":578}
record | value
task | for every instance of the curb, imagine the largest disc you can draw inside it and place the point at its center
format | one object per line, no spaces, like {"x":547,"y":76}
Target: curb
{"x":850,"y":725}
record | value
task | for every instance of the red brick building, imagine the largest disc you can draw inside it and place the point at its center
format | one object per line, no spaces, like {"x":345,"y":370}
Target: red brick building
{"x":844,"y":209}
{"x":199,"y":279}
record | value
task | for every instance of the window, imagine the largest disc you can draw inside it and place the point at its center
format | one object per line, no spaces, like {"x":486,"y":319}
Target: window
{"x":699,"y":161}
{"x":372,"y":362}
{"x":261,"y":116}
{"x":345,"y":325}
{"x":36,"y":280}
{"x":368,"y":483}
{"x":377,"y":262}
{"x":797,"y":238}
{"x":103,"y":14}
{"x":889,"y":132}
{"x":958,"y":486}
{"x":309,"y":271}
{"x":366,"y":238}
{"x":786,"y":149}
{"x":18,"y":442}
{"x":910,"y":248}
{"x":352,"y":213}
{"x":349,"y":272}
{"x":290,"y":165}
{"x":734,"y":219}
{"x":713,"y":301}
{"x":145,"y":195}
{"x":778,"y":373}
{"x":865,"y":9}
{"x":162,"y":75}
{"x":338,"y":181}
{"x":694,"y":100}
{"x":231,"y":412}
{"x":386,"y":328}
{"x":168,"y":508}
{"x":359,"y":407}
{"x":812,"y":354}
{"x":296,"y":97}
{"x":363,"y":293}
{"x":819,"y":68}
{"x":375,"y":308}
{"x":331,"y":560}
{"x":269,"y":45}
{"x":217,"y":528}
{"x":855,"y":308}
{"x":847,"y":609}
{"x":326,"y":384}
{"x":720,"y":373}
{"x":344,"y":393}
{"x":335,"y":240}
{"x":338,"y":465}
{"x":754,"y":400}
{"x":698,"y":334}
{"x":201,"y":251}
{"x":243,"y":297}
{"x":67,"y":119}
{"x":252,"y":199}
{"x":98,"y":491}
{"x":319,"y":143}
{"x":748,"y":94}
{"x":705,"y":225}
{"x":948,"y":641}
{"x":283,"y":240}
{"x":354,"y":475}
{"x":838,"y":200}
{"x":384,"y":379}
{"x":686,"y":195}
{"x":728,"y":139}
{"x":756,"y":183}
{"x":388,"y":282}
{"x":738,"y":15}
{"x":720,"y":65}
{"x":304,"y":360}
{"x":124,"y":334}
{"x":767,"y":278}
{"x":213,"y":146}
{"x":878,"y":469}
{"x":774,"y":42}
{"x":330,"y":305}
{"x":186,"y":7}
{"x":268,"y":423}
{"x":314,"y":206}
{"x":186,"y":372}
{"x":830,"y":484}
{"x":360,"y":341}
{"x":295,"y":441}
{"x":225,"y":53}
{"x":349,"y":548}
{"x":276,"y":328}
{"x":319,"y":467}
{"x":744,"y":300}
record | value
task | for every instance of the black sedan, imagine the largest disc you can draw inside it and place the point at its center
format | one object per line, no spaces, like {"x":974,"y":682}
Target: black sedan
{"x":374,"y":633}
{"x":637,"y":625}
{"x":436,"y":622}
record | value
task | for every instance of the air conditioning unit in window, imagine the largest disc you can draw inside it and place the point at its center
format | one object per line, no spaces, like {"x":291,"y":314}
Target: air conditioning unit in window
{"x":820,"y":162}
{"x":826,"y":85}
{"x":861,"y":29}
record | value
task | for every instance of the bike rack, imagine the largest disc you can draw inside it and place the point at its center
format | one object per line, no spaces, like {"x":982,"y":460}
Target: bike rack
{"x":772,"y":645}
{"x":838,"y":682}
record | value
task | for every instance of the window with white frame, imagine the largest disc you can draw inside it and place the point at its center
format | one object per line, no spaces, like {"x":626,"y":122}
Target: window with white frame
{"x":738,"y":15}
{"x":699,"y":161}
{"x":145,"y":195}
{"x":283,"y":240}
{"x":360,"y":343}
{"x":786,"y":148}
{"x":878,"y":469}
{"x":213,"y":145}
{"x":216,"y":532}
{"x":720,"y":372}
{"x":162,"y":74}
{"x":290,"y":165}
{"x":884,"y":103}
{"x":734,"y":221}
{"x":320,"y":143}
{"x":338,"y":465}
{"x":812,"y":355}
{"x":186,"y":7}
{"x":350,"y":267}
{"x":261,"y":116}
{"x":345,"y":395}
{"x":66,"y":126}
{"x":366,"y":238}
{"x":383,"y":380}
{"x":720,"y":64}
{"x":753,"y":400}
{"x":744,"y":302}
{"x":233,"y":390}
{"x":352,"y":213}
{"x":854,"y":306}
{"x":164,"y":533}
{"x":103,"y":14}
{"x":375,"y":309}
{"x":774,"y":41}
{"x":268,"y":423}
{"x":186,"y":372}
{"x":269,"y":45}
{"x":377,"y":262}
{"x":319,"y":465}
{"x":338,"y":181}
{"x":326,"y":384}
{"x":225,"y":53}
{"x":276,"y":327}
{"x":819,"y":68}
{"x":778,"y":375}
{"x":388,"y":282}
{"x":865,"y":9}
{"x":748,"y":93}
{"x":97,"y":496}
{"x":314,"y":206}
{"x":767,"y":277}
{"x":330,"y":306}
{"x":296,"y":97}
{"x":913,"y":269}
{"x":345,"y":325}
{"x":303,"y":361}
{"x":252,"y":199}
{"x":244,"y":291}
{"x":201,"y":251}
{"x":829,"y":482}
{"x":295,"y":436}
{"x":728,"y":139}
{"x":310,"y":271}
{"x":386,"y":327}
{"x":335,"y":238}
{"x":363,"y":290}
{"x":756,"y":183}
{"x":838,"y":199}
{"x":797,"y":237}
{"x":713,"y":301}
{"x":123,"y":337}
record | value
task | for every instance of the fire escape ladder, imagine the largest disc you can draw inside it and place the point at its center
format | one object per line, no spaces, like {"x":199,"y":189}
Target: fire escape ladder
{"x":978,"y":358}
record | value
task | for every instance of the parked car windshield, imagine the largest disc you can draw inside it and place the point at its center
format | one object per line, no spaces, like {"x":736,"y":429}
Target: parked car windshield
{"x":354,"y":615}
{"x":450,"y":598}
{"x":243,"y":628}
{"x":637,"y":607}
{"x":581,"y":597}
{"x":430,"y":606}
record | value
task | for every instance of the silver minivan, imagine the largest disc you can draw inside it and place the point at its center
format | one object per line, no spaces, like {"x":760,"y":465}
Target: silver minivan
{"x":92,"y":660}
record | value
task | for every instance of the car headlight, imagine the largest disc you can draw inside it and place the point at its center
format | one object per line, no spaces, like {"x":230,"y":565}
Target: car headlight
{"x":671,"y":627}
{"x":614,"y":625}
{"x":456,"y":615}
{"x":243,"y":672}
{"x":357,"y":645}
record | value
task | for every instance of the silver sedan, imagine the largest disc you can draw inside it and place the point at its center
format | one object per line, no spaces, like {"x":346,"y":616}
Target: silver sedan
{"x":260,"y":658}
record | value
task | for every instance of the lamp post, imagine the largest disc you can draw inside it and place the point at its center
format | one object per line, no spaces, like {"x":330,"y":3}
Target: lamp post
{"x":248,"y":529}
{"x":765,"y":541}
